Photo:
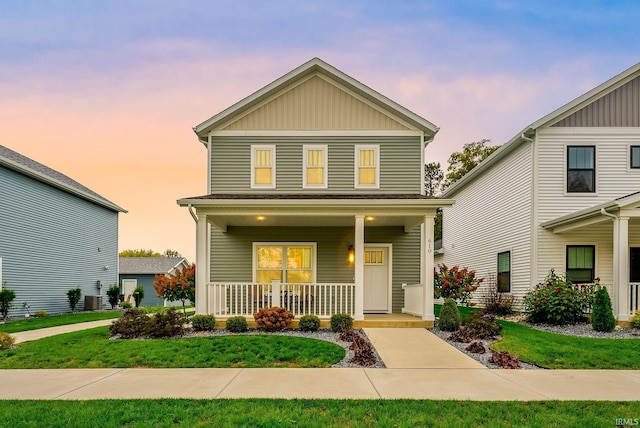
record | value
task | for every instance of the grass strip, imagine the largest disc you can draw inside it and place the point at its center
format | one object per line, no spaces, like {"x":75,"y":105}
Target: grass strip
{"x":57,"y":320}
{"x":92,"y":349}
{"x":314,"y":413}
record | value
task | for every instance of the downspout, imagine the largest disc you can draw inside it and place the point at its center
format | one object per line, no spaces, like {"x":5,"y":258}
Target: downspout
{"x":533,"y":233}
{"x":195,"y":217}
{"x":608,"y":214}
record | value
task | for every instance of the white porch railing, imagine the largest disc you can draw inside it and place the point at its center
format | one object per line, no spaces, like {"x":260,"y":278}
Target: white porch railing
{"x":634,"y":298}
{"x":413,"y":299}
{"x":245,"y":298}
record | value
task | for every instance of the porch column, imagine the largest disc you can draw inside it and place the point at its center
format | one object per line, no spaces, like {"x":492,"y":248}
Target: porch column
{"x":427,"y":269}
{"x":202,"y":276}
{"x":359,"y":268}
{"x":621,"y":307}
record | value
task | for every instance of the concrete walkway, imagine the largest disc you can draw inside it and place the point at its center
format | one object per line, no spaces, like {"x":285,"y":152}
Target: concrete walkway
{"x":420,"y":366}
{"x":26,"y":336}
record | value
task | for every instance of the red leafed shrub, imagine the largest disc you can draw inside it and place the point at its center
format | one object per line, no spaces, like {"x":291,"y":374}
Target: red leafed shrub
{"x":505,"y":360}
{"x":455,"y":283}
{"x":462,"y":335}
{"x":476,"y":348}
{"x":273,"y":319}
{"x":362,"y":350}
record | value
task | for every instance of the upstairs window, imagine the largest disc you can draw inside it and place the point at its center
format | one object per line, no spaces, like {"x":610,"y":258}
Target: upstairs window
{"x":581,"y":261}
{"x":504,"y":272}
{"x":263,"y":167}
{"x":367,"y":171}
{"x":581,"y":169}
{"x":314,"y":173}
{"x":635,"y":157}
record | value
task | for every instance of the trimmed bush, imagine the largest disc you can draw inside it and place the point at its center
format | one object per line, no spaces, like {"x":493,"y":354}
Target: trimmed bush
{"x":126,"y":305}
{"x":6,"y":341}
{"x":6,"y":301}
{"x":636,"y":319}
{"x":449,"y":316}
{"x":481,"y":325}
{"x":133,"y":323}
{"x":40,"y":314}
{"x":166,"y":323}
{"x":113,"y":293}
{"x":236,"y":324}
{"x":273,"y":319}
{"x":203,"y":322}
{"x":309,"y":323}
{"x":602,"y":313}
{"x":73,"y":296}
{"x":341,"y":323}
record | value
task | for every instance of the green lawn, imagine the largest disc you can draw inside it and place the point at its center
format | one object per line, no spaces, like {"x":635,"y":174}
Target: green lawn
{"x":313,"y":413}
{"x":557,"y":351}
{"x":57,"y":320}
{"x":92,"y":349}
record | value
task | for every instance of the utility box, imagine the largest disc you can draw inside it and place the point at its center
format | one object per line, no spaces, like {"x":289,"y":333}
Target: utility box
{"x":92,"y":303}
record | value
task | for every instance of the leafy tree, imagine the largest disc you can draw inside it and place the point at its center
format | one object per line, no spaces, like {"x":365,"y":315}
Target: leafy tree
{"x":73,"y":296}
{"x":114,"y":295}
{"x":6,"y":301}
{"x":461,"y":163}
{"x":139,"y":253}
{"x":180,"y":285}
{"x":433,"y":177}
{"x":171,"y":253}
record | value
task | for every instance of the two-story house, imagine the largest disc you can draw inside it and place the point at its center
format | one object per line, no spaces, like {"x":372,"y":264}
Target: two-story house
{"x":563,"y":194}
{"x":316,"y":202}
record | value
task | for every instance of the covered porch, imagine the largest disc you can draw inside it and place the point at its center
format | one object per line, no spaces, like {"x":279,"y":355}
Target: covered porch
{"x":621,"y":219}
{"x":309,"y":293}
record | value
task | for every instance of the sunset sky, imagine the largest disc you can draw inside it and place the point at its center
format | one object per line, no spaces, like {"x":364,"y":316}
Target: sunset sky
{"x":107,"y":92}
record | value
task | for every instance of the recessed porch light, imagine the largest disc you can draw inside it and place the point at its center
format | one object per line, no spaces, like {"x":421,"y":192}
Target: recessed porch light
{"x":369,"y":218}
{"x":261,"y":218}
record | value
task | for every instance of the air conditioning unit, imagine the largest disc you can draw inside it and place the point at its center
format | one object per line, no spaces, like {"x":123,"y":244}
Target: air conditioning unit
{"x":92,"y":303}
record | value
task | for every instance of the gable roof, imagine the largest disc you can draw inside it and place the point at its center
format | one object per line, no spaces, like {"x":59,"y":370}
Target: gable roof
{"x":149,"y":265}
{"x":550,"y":119}
{"x":315,"y":65}
{"x":24,"y":165}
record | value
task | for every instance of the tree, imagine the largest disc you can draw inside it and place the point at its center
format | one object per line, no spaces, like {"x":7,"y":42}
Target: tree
{"x":114,"y":295}
{"x":73,"y":296}
{"x":139,"y":253}
{"x":171,"y":253}
{"x":6,"y":300}
{"x":433,"y":177}
{"x":180,"y":285}
{"x":461,"y":163}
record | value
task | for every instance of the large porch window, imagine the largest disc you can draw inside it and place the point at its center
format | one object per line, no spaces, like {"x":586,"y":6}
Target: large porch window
{"x":581,"y":260}
{"x":285,"y":262}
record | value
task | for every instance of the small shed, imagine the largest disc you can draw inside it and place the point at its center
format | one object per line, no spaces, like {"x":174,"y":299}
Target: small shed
{"x":136,"y":271}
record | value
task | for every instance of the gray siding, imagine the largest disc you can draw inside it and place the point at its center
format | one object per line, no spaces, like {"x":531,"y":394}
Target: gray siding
{"x":52,"y":241}
{"x":150,"y":296}
{"x":400,"y":164}
{"x":621,"y":107}
{"x":231,"y":253}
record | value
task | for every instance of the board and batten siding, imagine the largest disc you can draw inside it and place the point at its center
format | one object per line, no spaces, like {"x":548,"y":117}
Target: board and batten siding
{"x":231,"y":253}
{"x":53,"y":241}
{"x":493,"y":215}
{"x":400,"y":164}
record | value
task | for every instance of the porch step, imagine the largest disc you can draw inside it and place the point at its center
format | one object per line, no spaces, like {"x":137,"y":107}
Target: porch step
{"x":370,"y":321}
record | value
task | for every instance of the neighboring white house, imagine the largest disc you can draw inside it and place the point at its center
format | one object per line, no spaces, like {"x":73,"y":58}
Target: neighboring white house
{"x":563,"y":194}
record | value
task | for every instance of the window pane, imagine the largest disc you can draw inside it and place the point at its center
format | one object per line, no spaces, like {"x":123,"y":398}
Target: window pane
{"x":367,"y":158}
{"x":580,"y":181}
{"x":367,"y":256}
{"x":504,"y":282}
{"x":580,"y":276}
{"x":635,"y":156}
{"x":315,"y":175}
{"x":299,"y":258}
{"x":269,"y":275}
{"x":263,"y":158}
{"x":263,"y":176}
{"x":580,"y":257}
{"x":315,"y":158}
{"x":581,"y":157}
{"x":504,"y":260}
{"x":269,"y":257}
{"x":302,"y":276}
{"x":367,"y":176}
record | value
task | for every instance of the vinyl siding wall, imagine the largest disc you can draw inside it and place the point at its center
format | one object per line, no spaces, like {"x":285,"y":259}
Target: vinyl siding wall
{"x":490,"y":216}
{"x":231,"y":253}
{"x":400,"y":164}
{"x":52,"y":241}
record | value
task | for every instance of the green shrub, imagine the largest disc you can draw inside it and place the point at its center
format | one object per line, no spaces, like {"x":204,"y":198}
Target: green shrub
{"x":166,"y":323}
{"x":203,"y":322}
{"x":113,"y":293}
{"x":482,"y":325}
{"x":309,"y":323}
{"x":133,"y":323}
{"x":557,"y":301}
{"x":449,"y":316}
{"x":273,"y":319}
{"x":341,"y":323}
{"x":636,"y":319}
{"x":40,"y":314}
{"x":6,"y":341}
{"x":236,"y":324}
{"x":73,"y":296}
{"x":6,"y":301}
{"x":602,"y":313}
{"x":126,"y":305}
{"x":138,"y":295}
{"x":455,"y":283}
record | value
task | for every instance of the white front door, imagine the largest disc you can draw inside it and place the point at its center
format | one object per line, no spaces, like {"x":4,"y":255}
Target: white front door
{"x":128,"y":285}
{"x":377,"y":272}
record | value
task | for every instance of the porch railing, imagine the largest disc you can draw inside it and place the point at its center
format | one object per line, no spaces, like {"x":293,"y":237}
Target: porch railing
{"x":413,"y":299}
{"x":245,"y":298}
{"x":634,"y":298}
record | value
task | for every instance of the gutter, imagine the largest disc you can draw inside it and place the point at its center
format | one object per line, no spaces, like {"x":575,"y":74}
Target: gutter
{"x":608,"y":214}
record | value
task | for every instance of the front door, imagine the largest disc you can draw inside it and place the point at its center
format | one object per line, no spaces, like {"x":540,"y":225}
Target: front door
{"x":377,"y":269}
{"x":128,"y":285}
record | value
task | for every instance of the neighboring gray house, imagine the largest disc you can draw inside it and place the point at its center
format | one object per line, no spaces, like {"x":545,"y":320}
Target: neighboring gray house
{"x":136,"y":271}
{"x":316,"y":202}
{"x":562,"y":194}
{"x":55,"y":234}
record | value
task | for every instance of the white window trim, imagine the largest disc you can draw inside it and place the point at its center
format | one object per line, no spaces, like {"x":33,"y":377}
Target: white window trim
{"x":566,"y":163}
{"x":254,"y":148}
{"x":325,"y":156}
{"x":312,"y":245}
{"x":356,"y":164}
{"x":510,"y":251}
